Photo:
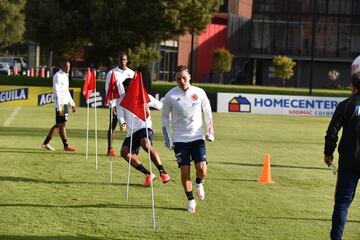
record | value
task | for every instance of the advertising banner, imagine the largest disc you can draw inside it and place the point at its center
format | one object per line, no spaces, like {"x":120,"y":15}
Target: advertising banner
{"x":31,"y":96}
{"x":277,"y":104}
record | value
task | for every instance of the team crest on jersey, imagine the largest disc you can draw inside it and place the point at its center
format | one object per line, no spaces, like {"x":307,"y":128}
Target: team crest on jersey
{"x":357,"y":110}
{"x":178,"y":157}
{"x":194,"y":98}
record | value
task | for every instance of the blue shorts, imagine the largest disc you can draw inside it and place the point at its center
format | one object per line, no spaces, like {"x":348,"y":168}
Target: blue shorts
{"x":136,"y":139}
{"x":62,"y":115}
{"x":196,"y":150}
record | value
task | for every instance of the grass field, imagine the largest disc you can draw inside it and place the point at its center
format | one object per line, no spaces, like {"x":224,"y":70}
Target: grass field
{"x":59,"y":195}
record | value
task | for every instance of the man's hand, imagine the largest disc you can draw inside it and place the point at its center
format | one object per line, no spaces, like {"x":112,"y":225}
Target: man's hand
{"x":73,"y":108}
{"x":122,"y":127}
{"x":210,"y":138}
{"x":328,"y":160}
{"x":114,"y":111}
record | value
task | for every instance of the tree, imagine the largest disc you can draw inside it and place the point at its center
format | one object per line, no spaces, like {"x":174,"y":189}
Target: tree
{"x":221,"y":61}
{"x":12,"y":23}
{"x":60,"y":26}
{"x":283,"y":66}
{"x":104,"y":27}
{"x":140,"y":57}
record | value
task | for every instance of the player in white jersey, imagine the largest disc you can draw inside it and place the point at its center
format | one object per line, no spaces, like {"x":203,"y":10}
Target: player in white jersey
{"x":185,"y":104}
{"x":121,"y":73}
{"x":62,"y":98}
{"x":137,"y":127}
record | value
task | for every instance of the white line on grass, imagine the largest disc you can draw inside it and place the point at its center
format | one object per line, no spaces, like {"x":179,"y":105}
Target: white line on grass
{"x":11,"y":117}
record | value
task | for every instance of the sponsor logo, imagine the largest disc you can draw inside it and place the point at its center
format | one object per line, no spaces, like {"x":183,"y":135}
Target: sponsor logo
{"x":14,"y":94}
{"x":95,"y":96}
{"x":194,"y":97}
{"x":357,"y":110}
{"x":47,"y":98}
{"x":239,"y":104}
{"x":178,"y":157}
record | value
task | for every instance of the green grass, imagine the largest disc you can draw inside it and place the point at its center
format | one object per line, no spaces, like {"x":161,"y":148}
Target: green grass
{"x":59,"y":195}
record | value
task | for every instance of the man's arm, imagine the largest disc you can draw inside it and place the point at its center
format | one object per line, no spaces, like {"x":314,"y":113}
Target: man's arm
{"x":165,"y":120}
{"x":331,"y":136}
{"x":206,"y":108}
{"x":121,"y":117}
{"x":154,"y":103}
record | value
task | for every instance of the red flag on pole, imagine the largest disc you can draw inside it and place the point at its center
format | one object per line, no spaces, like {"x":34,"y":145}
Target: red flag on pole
{"x":136,"y":97}
{"x":89,"y":84}
{"x":113,"y":91}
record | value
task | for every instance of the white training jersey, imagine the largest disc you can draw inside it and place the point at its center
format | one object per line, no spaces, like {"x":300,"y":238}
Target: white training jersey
{"x":61,"y":89}
{"x":186,"y":109}
{"x":120,"y":76}
{"x":125,"y":116}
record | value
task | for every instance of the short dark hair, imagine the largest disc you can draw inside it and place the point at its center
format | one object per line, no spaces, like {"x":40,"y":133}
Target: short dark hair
{"x":181,"y":68}
{"x":61,"y":60}
{"x":355,"y":81}
{"x":127,"y":81}
{"x":122,"y":54}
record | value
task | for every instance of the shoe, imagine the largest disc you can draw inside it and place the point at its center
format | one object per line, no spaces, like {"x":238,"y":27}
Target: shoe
{"x":149,"y":178}
{"x":191,"y":206}
{"x":70,"y":149}
{"x":111,"y":153}
{"x":200,"y":191}
{"x":48,"y":147}
{"x":165,"y":177}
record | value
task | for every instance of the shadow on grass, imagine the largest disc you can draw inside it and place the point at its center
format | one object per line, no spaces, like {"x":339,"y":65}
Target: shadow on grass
{"x":272,"y":165}
{"x":310,"y":219}
{"x":24,"y":131}
{"x":33,"y":180}
{"x":38,"y":150}
{"x":231,"y":179}
{"x":19,"y":237}
{"x":108,"y":206}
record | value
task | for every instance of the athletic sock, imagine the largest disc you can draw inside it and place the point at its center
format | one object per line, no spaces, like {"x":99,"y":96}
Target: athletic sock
{"x":65,"y":143}
{"x":141,"y":168}
{"x":161,"y":169}
{"x":189,"y":195}
{"x":198,"y":180}
{"x":47,"y":140}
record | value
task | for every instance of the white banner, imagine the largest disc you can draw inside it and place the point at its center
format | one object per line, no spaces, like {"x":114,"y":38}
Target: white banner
{"x":277,"y":104}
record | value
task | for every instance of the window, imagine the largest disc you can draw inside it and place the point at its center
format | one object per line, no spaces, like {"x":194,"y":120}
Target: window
{"x":333,"y":6}
{"x":293,"y":38}
{"x":355,"y":37}
{"x":305,"y":35}
{"x":344,"y":37}
{"x":268,"y":40}
{"x":281,"y":34}
{"x":345,"y":7}
{"x":331,"y":36}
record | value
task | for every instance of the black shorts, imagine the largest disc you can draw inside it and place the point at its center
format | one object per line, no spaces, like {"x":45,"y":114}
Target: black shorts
{"x":62,"y":114}
{"x":185,"y":152}
{"x":137,"y":136}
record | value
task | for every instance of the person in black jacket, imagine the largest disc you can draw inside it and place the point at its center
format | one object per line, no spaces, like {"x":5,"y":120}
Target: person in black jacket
{"x":346,"y":116}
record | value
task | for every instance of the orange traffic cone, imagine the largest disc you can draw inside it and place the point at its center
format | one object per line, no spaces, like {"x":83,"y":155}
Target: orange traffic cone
{"x":266,"y":172}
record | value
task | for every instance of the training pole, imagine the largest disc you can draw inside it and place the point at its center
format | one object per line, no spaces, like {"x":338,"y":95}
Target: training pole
{"x":111,"y":133}
{"x":152,"y":186}
{"x":87,"y":131}
{"x":130,"y":154}
{"x":96,"y":153}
